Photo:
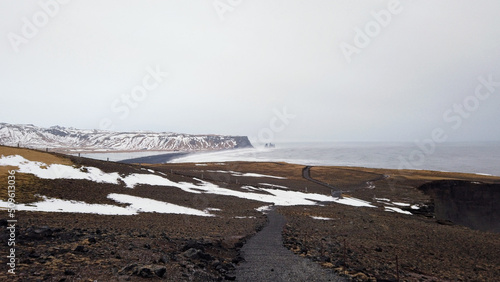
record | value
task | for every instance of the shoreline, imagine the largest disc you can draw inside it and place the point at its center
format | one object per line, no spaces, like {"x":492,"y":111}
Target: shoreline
{"x":476,"y":158}
{"x":169,"y":157}
{"x":155,"y":159}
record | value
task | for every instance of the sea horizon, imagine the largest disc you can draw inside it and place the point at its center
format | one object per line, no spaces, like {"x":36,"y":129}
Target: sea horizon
{"x":467,"y":157}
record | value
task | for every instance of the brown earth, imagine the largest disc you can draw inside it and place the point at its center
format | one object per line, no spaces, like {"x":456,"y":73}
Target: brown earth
{"x":67,"y":247}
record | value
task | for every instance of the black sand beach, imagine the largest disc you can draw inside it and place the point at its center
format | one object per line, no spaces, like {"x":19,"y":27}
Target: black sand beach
{"x":156,"y":159}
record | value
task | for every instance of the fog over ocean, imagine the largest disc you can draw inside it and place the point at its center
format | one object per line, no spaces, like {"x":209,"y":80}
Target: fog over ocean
{"x":481,"y":158}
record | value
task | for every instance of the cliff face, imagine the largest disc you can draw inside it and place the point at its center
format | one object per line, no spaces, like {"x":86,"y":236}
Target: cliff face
{"x":242,"y":142}
{"x":71,"y":138}
{"x":471,"y":204}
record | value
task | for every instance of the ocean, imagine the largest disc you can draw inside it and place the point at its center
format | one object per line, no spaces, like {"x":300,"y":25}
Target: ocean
{"x":481,"y":158}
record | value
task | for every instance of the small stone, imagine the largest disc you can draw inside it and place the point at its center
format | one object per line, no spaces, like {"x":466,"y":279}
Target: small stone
{"x":145,"y":272}
{"x":191,"y":253}
{"x":164,"y":259}
{"x":34,"y":255}
{"x":160,"y":271}
{"x":69,"y":272}
{"x":193,"y":245}
{"x":80,"y":249}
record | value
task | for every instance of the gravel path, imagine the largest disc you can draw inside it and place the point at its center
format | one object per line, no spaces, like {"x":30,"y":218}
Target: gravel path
{"x":306,"y":173}
{"x":268,"y":260}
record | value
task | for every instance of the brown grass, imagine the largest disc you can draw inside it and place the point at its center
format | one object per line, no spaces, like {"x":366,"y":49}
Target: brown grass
{"x":290,"y":171}
{"x":27,"y":186}
{"x":31,"y":155}
{"x":374,"y":236}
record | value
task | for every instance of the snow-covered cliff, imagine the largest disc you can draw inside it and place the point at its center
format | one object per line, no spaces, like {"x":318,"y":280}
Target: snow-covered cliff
{"x":27,"y":135}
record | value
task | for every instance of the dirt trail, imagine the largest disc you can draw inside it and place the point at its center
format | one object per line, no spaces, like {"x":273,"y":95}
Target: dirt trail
{"x":306,"y":173}
{"x":267,"y":260}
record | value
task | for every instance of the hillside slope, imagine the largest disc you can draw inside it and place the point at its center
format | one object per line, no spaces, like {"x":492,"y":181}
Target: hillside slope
{"x":85,"y":219}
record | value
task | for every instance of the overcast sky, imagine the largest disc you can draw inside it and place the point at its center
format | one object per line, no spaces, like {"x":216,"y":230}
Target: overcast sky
{"x":282,"y":70}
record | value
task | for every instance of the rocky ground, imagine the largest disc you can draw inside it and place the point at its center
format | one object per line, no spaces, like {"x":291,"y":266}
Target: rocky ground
{"x":360,"y":242}
{"x":69,"y":247}
{"x":371,"y":244}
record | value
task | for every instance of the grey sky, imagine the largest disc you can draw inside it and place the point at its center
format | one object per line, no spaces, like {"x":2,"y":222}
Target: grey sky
{"x":229,"y":71}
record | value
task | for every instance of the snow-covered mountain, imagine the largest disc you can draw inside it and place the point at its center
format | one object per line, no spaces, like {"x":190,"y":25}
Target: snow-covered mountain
{"x":62,"y":138}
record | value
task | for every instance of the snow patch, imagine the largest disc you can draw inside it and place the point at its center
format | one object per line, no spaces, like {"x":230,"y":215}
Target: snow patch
{"x":398,"y":210}
{"x":248,"y":174}
{"x":212,"y":209}
{"x":401,"y":204}
{"x":58,"y":205}
{"x":353,"y":202}
{"x":275,"y":196}
{"x":249,"y":188}
{"x":149,"y":205}
{"x":264,"y":209}
{"x":151,"y":179}
{"x":274,"y":185}
{"x":321,"y":218}
{"x":56,"y":171}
